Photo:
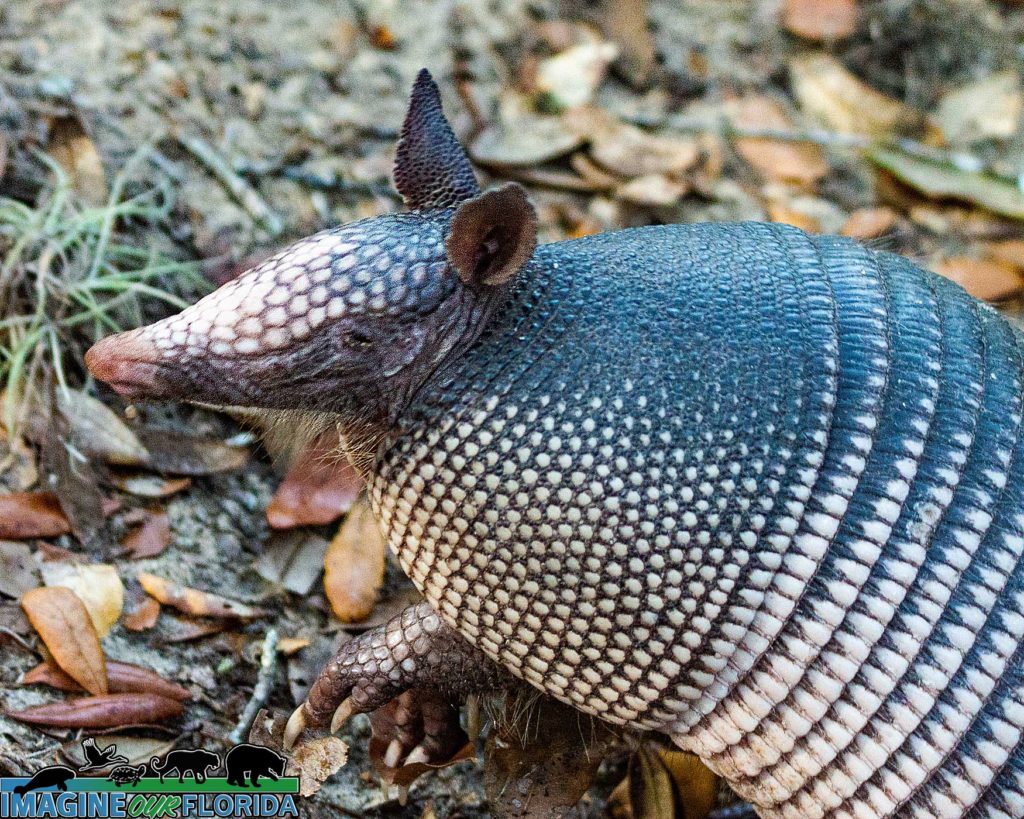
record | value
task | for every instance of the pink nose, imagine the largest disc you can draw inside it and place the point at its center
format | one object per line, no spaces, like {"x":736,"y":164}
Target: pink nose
{"x":126,"y":361}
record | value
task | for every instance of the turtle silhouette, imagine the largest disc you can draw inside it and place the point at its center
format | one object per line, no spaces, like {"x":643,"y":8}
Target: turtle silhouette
{"x":53,"y":776}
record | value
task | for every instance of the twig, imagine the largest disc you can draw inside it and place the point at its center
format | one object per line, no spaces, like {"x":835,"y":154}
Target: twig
{"x":237,"y":187}
{"x":261,"y":692}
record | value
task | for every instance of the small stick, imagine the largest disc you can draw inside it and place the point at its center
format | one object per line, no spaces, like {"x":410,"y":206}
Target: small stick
{"x":238,"y":187}
{"x":261,"y":692}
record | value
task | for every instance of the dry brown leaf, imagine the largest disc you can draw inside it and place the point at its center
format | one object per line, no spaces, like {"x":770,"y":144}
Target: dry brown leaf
{"x":987,"y":109}
{"x":178,"y":630}
{"x":121,"y":678}
{"x":288,"y":646}
{"x":319,"y":487}
{"x":982,"y":278}
{"x":145,"y":485}
{"x":653,"y":190}
{"x":820,"y":20}
{"x":149,"y":539}
{"x":195,"y":602}
{"x":102,"y":711}
{"x":97,"y":585}
{"x":188,"y":455}
{"x":1010,"y":251}
{"x":652,"y":792}
{"x":572,"y":76}
{"x":98,"y":431}
{"x":141,"y":615}
{"x":696,"y":784}
{"x":629,"y":151}
{"x":785,"y":214}
{"x":315,"y":760}
{"x":63,"y":624}
{"x":75,"y":152}
{"x":25,"y":515}
{"x":782,"y":160}
{"x":294,"y":560}
{"x":827,"y":91}
{"x":18,"y":572}
{"x":520,"y":139}
{"x":354,"y":565}
{"x":870,"y":223}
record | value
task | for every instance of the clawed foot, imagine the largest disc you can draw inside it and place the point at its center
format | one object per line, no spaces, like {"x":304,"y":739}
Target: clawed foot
{"x":415,"y":650}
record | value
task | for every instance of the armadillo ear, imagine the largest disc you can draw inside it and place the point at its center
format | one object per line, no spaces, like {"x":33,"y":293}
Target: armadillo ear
{"x":492,"y":236}
{"x":431,"y":169}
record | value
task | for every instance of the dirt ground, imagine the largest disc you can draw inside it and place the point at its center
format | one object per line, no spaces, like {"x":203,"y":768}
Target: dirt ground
{"x":268,"y":121}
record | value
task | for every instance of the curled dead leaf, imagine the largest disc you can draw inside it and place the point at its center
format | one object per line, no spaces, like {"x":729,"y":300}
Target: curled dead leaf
{"x":315,"y":760}
{"x":25,"y":515}
{"x":64,"y":625}
{"x":97,"y":585}
{"x":319,"y":487}
{"x":570,"y":77}
{"x":189,"y":455}
{"x":820,"y":20}
{"x":146,"y":485}
{"x":195,"y":602}
{"x":97,"y":430}
{"x":142,"y":614}
{"x":354,"y":565}
{"x":121,"y":678}
{"x":827,"y":91}
{"x":654,"y":190}
{"x":76,"y":153}
{"x":984,"y":279}
{"x":17,"y":569}
{"x":150,"y":538}
{"x":102,"y":711}
{"x":870,"y":223}
{"x":782,"y":160}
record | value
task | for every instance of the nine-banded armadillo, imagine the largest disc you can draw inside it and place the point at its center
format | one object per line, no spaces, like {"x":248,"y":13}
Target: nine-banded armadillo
{"x":757,"y":490}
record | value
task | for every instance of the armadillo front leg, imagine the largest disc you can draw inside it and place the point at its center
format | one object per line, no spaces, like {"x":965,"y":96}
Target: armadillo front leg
{"x":413,"y":650}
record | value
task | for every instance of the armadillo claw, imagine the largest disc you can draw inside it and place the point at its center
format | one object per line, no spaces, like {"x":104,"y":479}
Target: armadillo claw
{"x":341,"y":714}
{"x":296,"y":725}
{"x":413,"y":650}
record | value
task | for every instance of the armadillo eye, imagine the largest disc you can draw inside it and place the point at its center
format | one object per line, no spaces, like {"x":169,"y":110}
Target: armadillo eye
{"x":356,"y":339}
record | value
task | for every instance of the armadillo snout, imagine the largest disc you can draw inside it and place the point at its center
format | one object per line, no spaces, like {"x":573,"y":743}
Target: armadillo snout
{"x":129,"y":362}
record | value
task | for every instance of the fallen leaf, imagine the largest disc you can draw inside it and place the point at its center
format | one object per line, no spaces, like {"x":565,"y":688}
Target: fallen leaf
{"x":149,"y":539}
{"x":121,"y":678}
{"x":97,"y":585}
{"x":145,"y":485}
{"x":787,"y":215}
{"x":354,"y":565}
{"x":939,"y":180}
{"x":188,"y":455}
{"x":17,"y":569}
{"x":319,"y":487}
{"x":629,"y":151}
{"x":72,"y":149}
{"x":195,"y":602}
{"x":25,"y":515}
{"x":520,"y":139}
{"x":782,"y":160}
{"x":652,"y":794}
{"x":983,"y":278}
{"x":695,"y":783}
{"x":820,"y":20}
{"x":987,"y":109}
{"x":287,"y":646}
{"x":141,"y":615}
{"x":64,"y":625}
{"x":827,"y":91}
{"x":655,"y":190}
{"x":1010,"y":251}
{"x":177,"y":630}
{"x":294,"y":560}
{"x":572,"y":76}
{"x":102,"y":711}
{"x":316,"y":760}
{"x":870,"y":223}
{"x":549,"y":767}
{"x":97,"y":430}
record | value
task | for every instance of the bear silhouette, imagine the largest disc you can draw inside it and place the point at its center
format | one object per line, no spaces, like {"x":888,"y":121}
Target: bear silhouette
{"x":254,"y":760}
{"x":194,"y":762}
{"x":54,"y":776}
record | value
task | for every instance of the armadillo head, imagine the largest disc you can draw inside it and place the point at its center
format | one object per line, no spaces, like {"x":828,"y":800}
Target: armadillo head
{"x":354,"y":319}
